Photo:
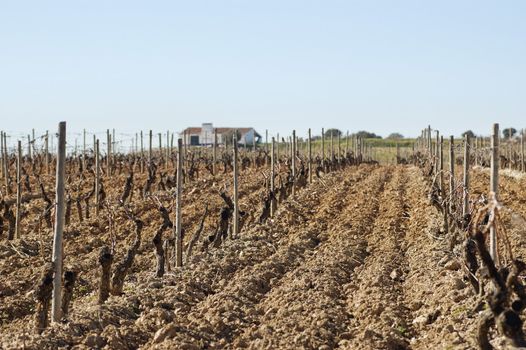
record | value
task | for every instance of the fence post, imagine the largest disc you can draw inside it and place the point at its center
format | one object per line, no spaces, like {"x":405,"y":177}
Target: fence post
{"x":18,"y":188}
{"x":167,"y":148}
{"x":293,"y":161}
{"x":347,"y":144}
{"x":323,"y":148}
{"x":235,"y":226}
{"x":272,"y":175}
{"x":6,"y":165}
{"x":451,"y":171}
{"x":178,"y":232}
{"x":142,"y":153}
{"x":494,"y":187}
{"x":214,"y":153}
{"x":108,"y":152}
{"x":56,"y":312}
{"x":339,"y":148}
{"x":522,"y":151}
{"x":97,"y":177}
{"x":150,"y":148}
{"x":465,"y":197}
{"x":310,"y":156}
{"x":332,"y":147}
{"x":2,"y":153}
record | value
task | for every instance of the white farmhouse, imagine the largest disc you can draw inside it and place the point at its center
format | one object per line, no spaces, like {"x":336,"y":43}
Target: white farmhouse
{"x":204,"y":135}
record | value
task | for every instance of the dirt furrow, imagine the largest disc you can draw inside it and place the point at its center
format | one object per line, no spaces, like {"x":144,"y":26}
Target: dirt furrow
{"x":380,"y":318}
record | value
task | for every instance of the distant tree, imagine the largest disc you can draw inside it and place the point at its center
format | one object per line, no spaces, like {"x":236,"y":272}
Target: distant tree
{"x":395,"y":136}
{"x":367,"y":135}
{"x":468,"y":132}
{"x":332,"y":132}
{"x":228,"y":136}
{"x":509,"y":132}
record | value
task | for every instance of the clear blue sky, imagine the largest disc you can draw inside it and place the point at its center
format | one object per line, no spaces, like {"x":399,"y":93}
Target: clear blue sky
{"x":382,"y":66}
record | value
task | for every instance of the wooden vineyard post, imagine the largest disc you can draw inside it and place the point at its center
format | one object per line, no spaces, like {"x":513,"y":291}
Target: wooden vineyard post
{"x":113,"y":142}
{"x":494,"y":187}
{"x":214,"y":154}
{"x":142,"y":153}
{"x":178,"y":208}
{"x":310,"y":156}
{"x":293,"y":161}
{"x":277,"y":148}
{"x":150,"y":148}
{"x":2,"y":153}
{"x":440,"y":162}
{"x":332,"y":147}
{"x":108,"y":152}
{"x":323,"y":148}
{"x":451,"y":171}
{"x":160,"y":135}
{"x":235,"y":226}
{"x":442,"y":187}
{"x":254,"y":148}
{"x":347,"y":144}
{"x":522,"y":151}
{"x":97,"y":177}
{"x":429,"y":142}
{"x":465,"y":197}
{"x":18,"y":188}
{"x":339,"y":148}
{"x":167,"y":148}
{"x":56,"y":312}
{"x":272,"y":176}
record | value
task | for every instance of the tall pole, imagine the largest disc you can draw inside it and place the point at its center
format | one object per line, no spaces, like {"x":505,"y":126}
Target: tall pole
{"x":150,"y":148}
{"x":56,"y":312}
{"x":272,"y":175}
{"x":6,"y":166}
{"x":236,"y":203}
{"x":451,"y":170}
{"x":323,"y":148}
{"x":108,"y":152}
{"x":310,"y":156}
{"x":214,"y":155}
{"x":97,"y":177}
{"x":18,"y":188}
{"x":465,"y":202}
{"x":494,"y":187}
{"x":293,"y":161}
{"x":142,"y":153}
{"x":178,"y":206}
{"x":522,"y":151}
{"x":2,"y":153}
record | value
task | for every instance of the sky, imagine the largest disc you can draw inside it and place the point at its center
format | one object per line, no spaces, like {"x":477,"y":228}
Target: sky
{"x":382,"y":66}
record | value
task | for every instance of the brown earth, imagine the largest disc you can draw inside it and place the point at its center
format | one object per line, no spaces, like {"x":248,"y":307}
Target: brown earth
{"x":355,"y":261}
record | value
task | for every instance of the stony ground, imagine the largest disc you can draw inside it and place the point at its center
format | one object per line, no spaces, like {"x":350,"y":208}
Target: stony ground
{"x":356,"y":260}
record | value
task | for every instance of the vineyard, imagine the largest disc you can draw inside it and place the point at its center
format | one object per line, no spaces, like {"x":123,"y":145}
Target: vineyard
{"x":292,"y":243}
